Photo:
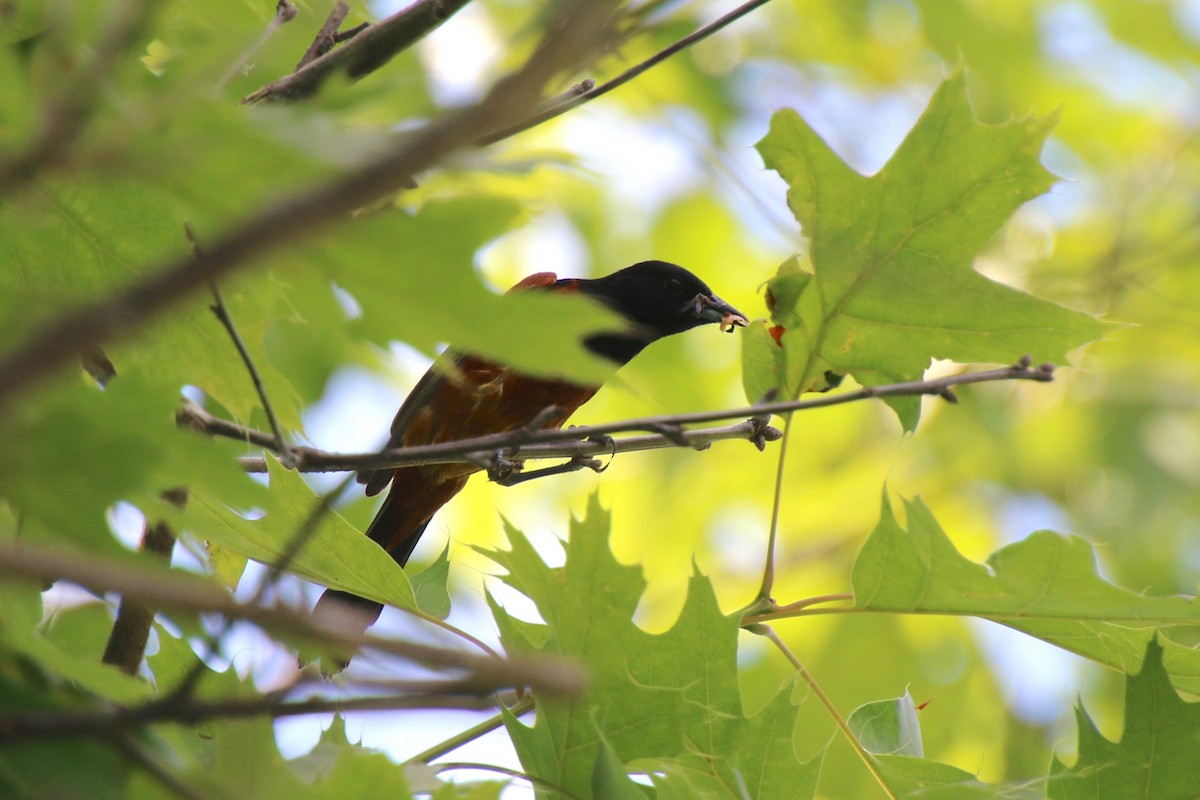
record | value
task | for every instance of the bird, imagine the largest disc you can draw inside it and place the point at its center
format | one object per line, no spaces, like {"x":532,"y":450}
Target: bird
{"x":465,"y":396}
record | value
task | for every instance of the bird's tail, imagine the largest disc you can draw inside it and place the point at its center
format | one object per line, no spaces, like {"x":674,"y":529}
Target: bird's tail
{"x":345,"y":611}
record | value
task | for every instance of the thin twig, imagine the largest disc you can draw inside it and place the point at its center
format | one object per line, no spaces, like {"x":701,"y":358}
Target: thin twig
{"x":327,"y":37}
{"x":438,"y":622}
{"x":136,"y":752}
{"x":192,"y":415}
{"x":538,"y":783}
{"x":576,"y":98}
{"x":589,"y":439}
{"x":285,"y":11}
{"x":295,"y":544}
{"x":830,"y":708}
{"x":314,"y":460}
{"x":60,"y":341}
{"x":369,"y":50}
{"x":222,"y":313}
{"x":523,"y":706}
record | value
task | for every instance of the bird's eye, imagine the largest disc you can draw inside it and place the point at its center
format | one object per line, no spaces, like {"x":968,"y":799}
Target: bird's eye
{"x":674,"y":286}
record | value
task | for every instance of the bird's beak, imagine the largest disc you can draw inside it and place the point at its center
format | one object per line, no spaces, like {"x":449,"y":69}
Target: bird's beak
{"x":710,"y":308}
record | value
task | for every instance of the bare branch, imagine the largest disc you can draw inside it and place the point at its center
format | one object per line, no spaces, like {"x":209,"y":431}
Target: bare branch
{"x":66,"y":337}
{"x":590,"y":440}
{"x":222,"y":313}
{"x":182,"y":591}
{"x":131,"y":630}
{"x":589,"y":90}
{"x":327,"y":37}
{"x":141,"y":755}
{"x":313,"y":460}
{"x":106,"y":720}
{"x":191,"y":415}
{"x":369,"y":50}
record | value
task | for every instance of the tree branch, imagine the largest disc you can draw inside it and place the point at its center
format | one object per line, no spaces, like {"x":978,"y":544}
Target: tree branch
{"x":104,"y":721}
{"x":589,"y":440}
{"x":327,"y":37}
{"x":141,"y":755}
{"x":66,"y":337}
{"x":182,"y":591}
{"x":222,"y":313}
{"x":131,"y":630}
{"x":589,"y":90}
{"x":369,"y":50}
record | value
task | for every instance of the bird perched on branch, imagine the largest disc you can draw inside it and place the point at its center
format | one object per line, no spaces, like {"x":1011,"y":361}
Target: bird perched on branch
{"x":470,"y":396}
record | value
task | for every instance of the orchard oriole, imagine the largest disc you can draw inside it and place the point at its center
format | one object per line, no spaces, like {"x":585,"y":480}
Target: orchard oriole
{"x":467,"y":396}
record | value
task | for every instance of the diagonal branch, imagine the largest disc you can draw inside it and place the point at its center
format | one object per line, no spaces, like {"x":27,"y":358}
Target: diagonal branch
{"x":327,"y":37}
{"x":590,"y":90}
{"x":369,"y":50}
{"x":65,"y":338}
{"x":126,"y":646}
{"x":222,"y":313}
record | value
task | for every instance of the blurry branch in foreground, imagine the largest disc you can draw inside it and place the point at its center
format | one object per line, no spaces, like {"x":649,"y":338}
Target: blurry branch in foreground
{"x":472,"y":681}
{"x":63,"y":339}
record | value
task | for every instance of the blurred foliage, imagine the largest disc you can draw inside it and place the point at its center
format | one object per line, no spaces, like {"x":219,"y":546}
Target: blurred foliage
{"x":665,"y":167}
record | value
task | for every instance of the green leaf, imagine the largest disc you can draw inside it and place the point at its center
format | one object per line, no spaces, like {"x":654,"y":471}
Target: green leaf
{"x":893,"y":285}
{"x":889,"y":727}
{"x":430,"y":586}
{"x":434,"y":296}
{"x":55,"y":766}
{"x":75,"y":450}
{"x":762,"y":361}
{"x":663,"y":701}
{"x":335,"y":555}
{"x":609,"y":781}
{"x":930,"y":780}
{"x":1045,"y":585}
{"x":1156,"y":755}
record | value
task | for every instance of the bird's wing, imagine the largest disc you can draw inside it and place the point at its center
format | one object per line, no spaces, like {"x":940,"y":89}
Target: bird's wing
{"x":431,"y":384}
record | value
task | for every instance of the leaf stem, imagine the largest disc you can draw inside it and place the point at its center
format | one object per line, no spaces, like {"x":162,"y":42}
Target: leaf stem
{"x":456,"y":741}
{"x":768,"y":578}
{"x":512,"y":773}
{"x":838,"y":719}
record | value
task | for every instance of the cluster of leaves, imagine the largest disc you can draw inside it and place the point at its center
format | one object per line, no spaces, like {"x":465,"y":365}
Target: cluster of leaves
{"x":95,"y":197}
